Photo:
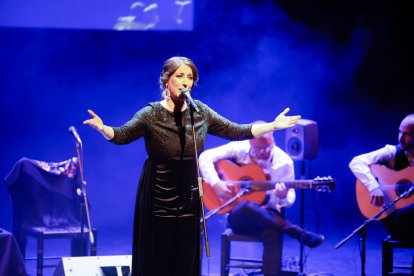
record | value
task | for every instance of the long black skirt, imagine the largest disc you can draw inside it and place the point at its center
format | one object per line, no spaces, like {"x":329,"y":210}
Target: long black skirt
{"x":167,"y":246}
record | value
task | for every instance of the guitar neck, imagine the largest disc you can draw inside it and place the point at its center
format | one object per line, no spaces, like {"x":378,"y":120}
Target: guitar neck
{"x":269,"y":185}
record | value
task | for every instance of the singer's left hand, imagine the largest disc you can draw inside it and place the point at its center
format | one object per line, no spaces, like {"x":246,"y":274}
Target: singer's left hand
{"x":282,"y":121}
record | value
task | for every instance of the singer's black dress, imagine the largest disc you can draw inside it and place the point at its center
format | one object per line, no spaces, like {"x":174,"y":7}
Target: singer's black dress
{"x":166,"y":224}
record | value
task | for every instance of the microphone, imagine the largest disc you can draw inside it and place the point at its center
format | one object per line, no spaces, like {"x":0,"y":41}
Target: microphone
{"x":189,"y":99}
{"x":72,"y":129}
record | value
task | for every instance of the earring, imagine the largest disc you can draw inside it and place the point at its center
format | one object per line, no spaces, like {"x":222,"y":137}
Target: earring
{"x":167,"y":94}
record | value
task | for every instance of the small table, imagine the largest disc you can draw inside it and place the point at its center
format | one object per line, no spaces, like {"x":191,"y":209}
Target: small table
{"x":11,"y":260}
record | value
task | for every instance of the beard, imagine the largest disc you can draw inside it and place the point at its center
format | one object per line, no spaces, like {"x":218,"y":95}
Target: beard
{"x":407,"y":146}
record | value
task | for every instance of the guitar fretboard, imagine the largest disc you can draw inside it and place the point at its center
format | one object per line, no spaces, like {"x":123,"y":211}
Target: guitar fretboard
{"x":269,"y":185}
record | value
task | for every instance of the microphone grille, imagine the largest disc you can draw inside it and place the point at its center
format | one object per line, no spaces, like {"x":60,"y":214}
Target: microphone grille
{"x":184,"y":90}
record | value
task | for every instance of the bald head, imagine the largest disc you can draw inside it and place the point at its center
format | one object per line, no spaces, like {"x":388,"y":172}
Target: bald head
{"x":406,"y":133}
{"x":262,"y":146}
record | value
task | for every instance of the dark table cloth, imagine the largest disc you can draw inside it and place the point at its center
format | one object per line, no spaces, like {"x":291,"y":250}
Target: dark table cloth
{"x":11,"y":260}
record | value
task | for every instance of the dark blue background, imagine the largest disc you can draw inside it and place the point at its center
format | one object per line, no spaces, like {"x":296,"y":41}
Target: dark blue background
{"x":345,"y":66}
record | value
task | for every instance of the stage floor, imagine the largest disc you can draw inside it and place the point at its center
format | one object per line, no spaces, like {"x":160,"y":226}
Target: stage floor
{"x":322,"y":261}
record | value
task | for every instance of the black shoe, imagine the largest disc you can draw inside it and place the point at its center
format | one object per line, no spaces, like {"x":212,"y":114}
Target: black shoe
{"x":312,"y":240}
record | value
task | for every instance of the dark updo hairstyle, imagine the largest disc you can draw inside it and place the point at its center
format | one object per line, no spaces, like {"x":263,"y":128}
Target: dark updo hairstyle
{"x":170,"y":66}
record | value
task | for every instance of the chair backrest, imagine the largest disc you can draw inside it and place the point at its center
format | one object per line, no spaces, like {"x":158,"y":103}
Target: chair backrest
{"x":44,"y":194}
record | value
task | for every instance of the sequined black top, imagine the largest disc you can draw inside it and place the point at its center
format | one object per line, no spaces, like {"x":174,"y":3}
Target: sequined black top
{"x":169,"y":136}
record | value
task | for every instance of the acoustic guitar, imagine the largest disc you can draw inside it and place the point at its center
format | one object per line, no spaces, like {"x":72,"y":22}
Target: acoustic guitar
{"x":253,"y":178}
{"x":392,"y":183}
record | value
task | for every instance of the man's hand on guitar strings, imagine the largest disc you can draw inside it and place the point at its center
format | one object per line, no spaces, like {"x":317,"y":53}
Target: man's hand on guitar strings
{"x":223,"y":189}
{"x":377,"y":197}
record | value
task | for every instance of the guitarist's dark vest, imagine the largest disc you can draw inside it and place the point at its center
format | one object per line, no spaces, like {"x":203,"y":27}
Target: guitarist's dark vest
{"x":401,"y":160}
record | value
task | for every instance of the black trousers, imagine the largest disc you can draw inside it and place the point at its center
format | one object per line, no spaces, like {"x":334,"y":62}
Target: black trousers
{"x":400,"y":224}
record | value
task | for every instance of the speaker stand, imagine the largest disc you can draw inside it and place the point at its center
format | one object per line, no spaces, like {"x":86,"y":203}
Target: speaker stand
{"x":302,"y":216}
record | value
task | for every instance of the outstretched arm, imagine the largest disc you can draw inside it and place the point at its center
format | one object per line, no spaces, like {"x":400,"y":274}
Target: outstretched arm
{"x":280,"y":122}
{"x":97,"y":123}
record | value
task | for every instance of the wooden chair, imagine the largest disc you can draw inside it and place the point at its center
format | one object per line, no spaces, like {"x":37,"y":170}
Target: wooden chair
{"x":78,"y":240}
{"x":46,"y":205}
{"x":228,"y":261}
{"x":388,"y":265}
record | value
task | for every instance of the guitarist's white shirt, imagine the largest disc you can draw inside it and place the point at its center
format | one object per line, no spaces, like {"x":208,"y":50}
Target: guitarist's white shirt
{"x":279,"y":166}
{"x":360,"y":165}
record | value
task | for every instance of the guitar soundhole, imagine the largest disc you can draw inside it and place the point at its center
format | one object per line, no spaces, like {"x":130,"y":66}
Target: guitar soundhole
{"x":402,"y":186}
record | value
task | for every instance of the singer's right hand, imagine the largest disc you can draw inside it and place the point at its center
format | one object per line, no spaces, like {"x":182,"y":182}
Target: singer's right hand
{"x":96,"y":122}
{"x":282,"y":121}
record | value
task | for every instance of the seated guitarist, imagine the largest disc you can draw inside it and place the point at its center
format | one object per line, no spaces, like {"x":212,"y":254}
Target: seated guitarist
{"x":260,"y":220}
{"x":400,"y":223}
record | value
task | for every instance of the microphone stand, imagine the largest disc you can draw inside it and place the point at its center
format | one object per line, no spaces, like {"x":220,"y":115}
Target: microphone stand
{"x":361,"y":229}
{"x":84,"y":204}
{"x":200,"y":183}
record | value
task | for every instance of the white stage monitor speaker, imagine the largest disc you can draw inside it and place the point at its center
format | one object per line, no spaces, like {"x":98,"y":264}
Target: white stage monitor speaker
{"x":119,"y":265}
{"x":301,"y":140}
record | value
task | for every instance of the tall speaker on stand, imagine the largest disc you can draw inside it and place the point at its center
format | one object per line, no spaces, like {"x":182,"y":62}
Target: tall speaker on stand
{"x":301,"y":142}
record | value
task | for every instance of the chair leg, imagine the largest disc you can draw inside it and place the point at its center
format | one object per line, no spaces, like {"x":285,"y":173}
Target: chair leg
{"x":387,"y":258}
{"x":40,"y":246}
{"x":279,"y":253}
{"x":225,"y":255}
{"x":21,"y":239}
{"x":76,"y":245}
